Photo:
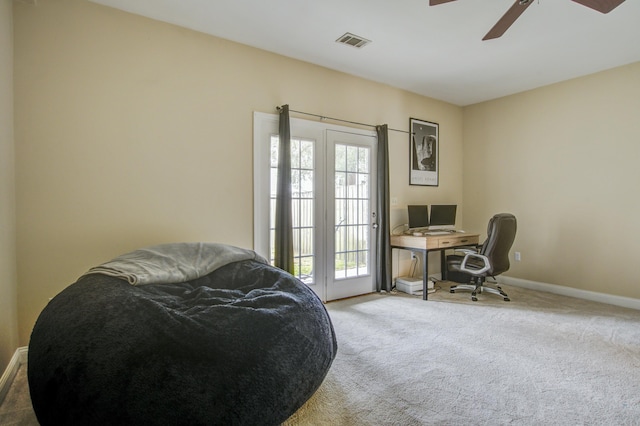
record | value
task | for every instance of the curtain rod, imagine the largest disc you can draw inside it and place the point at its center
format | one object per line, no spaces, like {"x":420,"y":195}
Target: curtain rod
{"x":322,"y":117}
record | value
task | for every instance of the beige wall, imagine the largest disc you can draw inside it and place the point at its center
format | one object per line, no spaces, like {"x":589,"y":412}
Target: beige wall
{"x":8,"y":283}
{"x":564,"y":159}
{"x":132,"y":132}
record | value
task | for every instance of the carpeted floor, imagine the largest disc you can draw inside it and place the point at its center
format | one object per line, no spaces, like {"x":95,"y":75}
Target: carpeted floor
{"x":16,"y":409}
{"x":539,"y":359}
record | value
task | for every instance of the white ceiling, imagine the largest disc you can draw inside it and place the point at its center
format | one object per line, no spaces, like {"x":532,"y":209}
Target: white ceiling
{"x":434,"y":51}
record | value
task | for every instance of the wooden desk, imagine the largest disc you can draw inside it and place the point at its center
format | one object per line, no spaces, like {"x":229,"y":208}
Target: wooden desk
{"x":428,"y":243}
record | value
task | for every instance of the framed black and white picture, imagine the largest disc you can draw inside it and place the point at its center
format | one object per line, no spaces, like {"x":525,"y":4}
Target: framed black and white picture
{"x":423,"y":152}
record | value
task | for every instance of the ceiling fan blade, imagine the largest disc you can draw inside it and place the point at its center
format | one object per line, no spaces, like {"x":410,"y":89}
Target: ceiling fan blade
{"x":603,"y":6}
{"x":508,"y":19}
{"x":437,"y":2}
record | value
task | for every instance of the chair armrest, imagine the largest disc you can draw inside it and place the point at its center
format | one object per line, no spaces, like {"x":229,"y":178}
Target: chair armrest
{"x":464,"y":250}
{"x":485,"y":260}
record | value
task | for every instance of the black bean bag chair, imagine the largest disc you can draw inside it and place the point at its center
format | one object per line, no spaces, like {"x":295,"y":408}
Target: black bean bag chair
{"x":245,"y":343}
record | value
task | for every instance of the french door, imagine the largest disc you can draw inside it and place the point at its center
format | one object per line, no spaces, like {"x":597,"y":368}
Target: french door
{"x":351,"y":228}
{"x":333,"y":203}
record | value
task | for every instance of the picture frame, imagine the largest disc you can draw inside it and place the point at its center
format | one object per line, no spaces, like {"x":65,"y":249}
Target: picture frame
{"x":424,"y":149}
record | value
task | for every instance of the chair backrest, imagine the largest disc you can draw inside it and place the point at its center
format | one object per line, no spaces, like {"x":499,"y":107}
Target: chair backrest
{"x":501,"y":232}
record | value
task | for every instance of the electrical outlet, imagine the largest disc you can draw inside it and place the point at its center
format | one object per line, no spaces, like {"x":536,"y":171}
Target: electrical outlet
{"x":517,"y":256}
{"x":394,"y":201}
{"x":413,"y":255}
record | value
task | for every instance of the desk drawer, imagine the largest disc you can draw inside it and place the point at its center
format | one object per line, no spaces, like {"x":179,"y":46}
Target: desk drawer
{"x":457,"y":240}
{"x":409,"y":241}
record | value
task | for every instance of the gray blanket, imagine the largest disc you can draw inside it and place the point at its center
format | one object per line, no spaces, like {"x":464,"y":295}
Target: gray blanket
{"x":173,"y":263}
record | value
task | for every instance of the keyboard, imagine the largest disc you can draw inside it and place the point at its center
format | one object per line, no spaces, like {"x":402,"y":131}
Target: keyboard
{"x":437,"y":233}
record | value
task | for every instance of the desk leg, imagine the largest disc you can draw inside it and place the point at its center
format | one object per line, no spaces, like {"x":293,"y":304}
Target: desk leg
{"x":443,"y":265}
{"x":425,"y":275}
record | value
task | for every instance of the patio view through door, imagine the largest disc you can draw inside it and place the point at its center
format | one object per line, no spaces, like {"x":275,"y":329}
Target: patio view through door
{"x":333,"y":202}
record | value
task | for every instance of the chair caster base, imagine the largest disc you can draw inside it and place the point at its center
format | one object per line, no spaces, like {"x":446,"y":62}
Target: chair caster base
{"x":476,"y":289}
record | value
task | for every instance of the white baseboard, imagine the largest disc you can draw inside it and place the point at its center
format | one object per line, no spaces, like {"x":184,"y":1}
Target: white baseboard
{"x":18,"y":358}
{"x":625,"y":302}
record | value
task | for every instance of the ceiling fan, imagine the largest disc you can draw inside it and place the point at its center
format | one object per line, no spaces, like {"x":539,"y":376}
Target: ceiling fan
{"x":603,"y":6}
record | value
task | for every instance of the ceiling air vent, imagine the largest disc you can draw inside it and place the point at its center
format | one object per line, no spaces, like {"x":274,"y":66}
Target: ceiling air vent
{"x":353,"y":40}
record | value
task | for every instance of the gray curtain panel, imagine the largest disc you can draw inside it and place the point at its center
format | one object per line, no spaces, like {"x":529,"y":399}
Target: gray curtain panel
{"x":284,"y":227}
{"x":383,"y":269}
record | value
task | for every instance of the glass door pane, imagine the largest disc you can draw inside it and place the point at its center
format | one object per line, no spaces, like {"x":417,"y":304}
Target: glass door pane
{"x":303,"y":202}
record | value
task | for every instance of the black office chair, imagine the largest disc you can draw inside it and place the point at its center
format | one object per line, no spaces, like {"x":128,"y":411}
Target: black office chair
{"x":490,"y":261}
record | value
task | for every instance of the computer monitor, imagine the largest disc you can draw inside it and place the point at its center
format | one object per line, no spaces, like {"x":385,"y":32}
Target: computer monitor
{"x":443,"y":216}
{"x":418,"y":217}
